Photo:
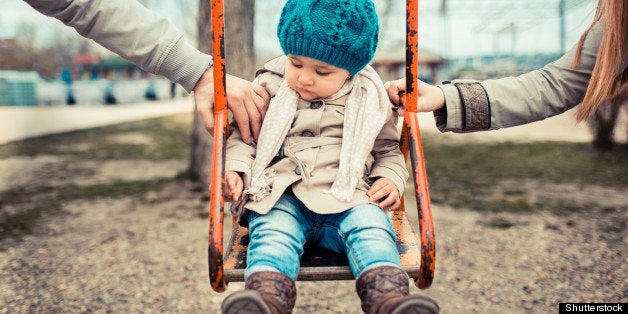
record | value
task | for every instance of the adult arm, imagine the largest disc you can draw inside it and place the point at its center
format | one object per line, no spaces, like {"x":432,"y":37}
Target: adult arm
{"x":135,"y":33}
{"x":155,"y":45}
{"x":511,"y":101}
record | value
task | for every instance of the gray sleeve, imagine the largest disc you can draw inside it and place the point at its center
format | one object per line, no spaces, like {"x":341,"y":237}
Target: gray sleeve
{"x":135,"y":33}
{"x":530,"y":97}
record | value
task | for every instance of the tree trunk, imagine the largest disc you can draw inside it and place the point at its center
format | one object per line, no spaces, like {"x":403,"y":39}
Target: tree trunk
{"x":602,"y":122}
{"x":240,"y":61}
{"x":240,"y":58}
{"x":602,"y":125}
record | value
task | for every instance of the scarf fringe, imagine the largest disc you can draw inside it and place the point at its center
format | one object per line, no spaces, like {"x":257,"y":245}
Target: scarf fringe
{"x":260,"y":187}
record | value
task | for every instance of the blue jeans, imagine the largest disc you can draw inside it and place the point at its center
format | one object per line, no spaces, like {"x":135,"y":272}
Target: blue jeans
{"x":277,"y":238}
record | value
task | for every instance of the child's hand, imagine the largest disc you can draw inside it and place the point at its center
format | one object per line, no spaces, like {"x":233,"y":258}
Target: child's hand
{"x":233,"y":185}
{"x":430,"y":97}
{"x":395,"y":89}
{"x":385,"y":191}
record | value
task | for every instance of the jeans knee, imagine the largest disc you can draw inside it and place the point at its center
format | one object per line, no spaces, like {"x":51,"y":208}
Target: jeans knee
{"x":276,"y":241}
{"x":367,"y":218}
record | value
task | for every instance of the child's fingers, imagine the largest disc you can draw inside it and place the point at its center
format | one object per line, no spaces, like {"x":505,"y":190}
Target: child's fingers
{"x":225,"y":188}
{"x":377,"y":186}
{"x":380,"y":189}
{"x":391,"y":202}
{"x":376,"y":194}
{"x":237,"y":190}
{"x":395,"y":205}
{"x":230,"y":186}
{"x":387,"y":202}
{"x":393,"y":91}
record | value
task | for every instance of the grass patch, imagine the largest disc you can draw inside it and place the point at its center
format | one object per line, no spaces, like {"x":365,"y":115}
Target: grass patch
{"x":24,"y":221}
{"x":169,"y":139}
{"x":557,"y":162}
{"x":499,"y":223}
{"x":48,"y":200}
{"x":162,"y":138}
{"x":463,"y":175}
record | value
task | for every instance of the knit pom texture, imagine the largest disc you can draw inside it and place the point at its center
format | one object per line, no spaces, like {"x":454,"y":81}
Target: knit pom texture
{"x":343,"y":33}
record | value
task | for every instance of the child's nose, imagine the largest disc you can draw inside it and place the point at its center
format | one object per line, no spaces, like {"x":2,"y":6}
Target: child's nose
{"x":305,"y":79}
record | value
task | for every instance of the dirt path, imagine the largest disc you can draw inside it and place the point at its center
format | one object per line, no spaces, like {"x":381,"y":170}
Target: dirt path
{"x":17,"y":123}
{"x":148,"y":253}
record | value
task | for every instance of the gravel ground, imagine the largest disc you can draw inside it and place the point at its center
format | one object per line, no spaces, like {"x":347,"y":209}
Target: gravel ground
{"x":148,"y":254}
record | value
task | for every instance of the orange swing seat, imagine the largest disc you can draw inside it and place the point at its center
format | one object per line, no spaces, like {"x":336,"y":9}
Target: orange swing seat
{"x":417,"y":249}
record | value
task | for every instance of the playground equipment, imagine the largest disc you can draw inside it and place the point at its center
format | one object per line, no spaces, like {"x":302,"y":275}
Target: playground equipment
{"x":417,"y":250}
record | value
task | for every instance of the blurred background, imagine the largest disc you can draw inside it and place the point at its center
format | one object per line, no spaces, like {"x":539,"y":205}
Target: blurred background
{"x":45,"y":63}
{"x":458,"y":38}
{"x":111,"y":216}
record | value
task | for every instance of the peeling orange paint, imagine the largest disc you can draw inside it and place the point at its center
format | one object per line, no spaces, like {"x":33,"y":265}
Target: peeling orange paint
{"x":417,"y":251}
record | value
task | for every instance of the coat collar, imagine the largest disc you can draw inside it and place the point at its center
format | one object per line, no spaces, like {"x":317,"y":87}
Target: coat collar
{"x":276,"y":66}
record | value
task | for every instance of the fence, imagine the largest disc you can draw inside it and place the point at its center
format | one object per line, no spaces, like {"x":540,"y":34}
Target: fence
{"x":18,"y":88}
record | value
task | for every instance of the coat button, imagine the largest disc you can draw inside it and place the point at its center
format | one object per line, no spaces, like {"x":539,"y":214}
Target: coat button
{"x":307,"y":133}
{"x":297,"y":170}
{"x":316,"y":104}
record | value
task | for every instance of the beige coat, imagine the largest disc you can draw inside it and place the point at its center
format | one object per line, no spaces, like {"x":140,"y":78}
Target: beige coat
{"x":312,"y":150}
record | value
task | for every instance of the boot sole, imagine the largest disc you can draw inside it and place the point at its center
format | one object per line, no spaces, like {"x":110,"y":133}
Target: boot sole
{"x":417,"y":305}
{"x":244,"y":302}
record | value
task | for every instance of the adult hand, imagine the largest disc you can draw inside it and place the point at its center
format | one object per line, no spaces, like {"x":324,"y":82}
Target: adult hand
{"x":247,"y":101}
{"x":430,"y":97}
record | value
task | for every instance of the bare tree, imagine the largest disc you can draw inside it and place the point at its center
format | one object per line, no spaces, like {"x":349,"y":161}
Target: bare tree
{"x":385,"y":17}
{"x":603,"y":121}
{"x":23,"y":54}
{"x":240,"y":56}
{"x":182,"y":13}
{"x":240,"y":15}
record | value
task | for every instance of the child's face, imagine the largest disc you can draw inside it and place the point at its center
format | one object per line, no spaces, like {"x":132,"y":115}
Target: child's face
{"x":313,"y":79}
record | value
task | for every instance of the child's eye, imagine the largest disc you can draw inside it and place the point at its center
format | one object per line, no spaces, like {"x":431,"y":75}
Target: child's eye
{"x":296,"y":65}
{"x":322,"y":73}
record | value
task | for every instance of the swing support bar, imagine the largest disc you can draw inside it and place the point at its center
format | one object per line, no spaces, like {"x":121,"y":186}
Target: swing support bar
{"x":221,"y":132}
{"x":411,"y":128}
{"x":420,"y":266}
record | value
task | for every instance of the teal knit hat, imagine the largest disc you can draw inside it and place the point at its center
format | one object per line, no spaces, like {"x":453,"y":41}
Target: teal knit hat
{"x":343,"y":33}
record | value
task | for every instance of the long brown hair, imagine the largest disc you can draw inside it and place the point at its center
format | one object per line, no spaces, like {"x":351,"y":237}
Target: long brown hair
{"x":605,"y":82}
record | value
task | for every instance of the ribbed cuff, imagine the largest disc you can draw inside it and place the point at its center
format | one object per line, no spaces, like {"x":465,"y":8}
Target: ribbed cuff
{"x":448,"y":117}
{"x":467,"y":107}
{"x":477,"y":112}
{"x":184,"y":64}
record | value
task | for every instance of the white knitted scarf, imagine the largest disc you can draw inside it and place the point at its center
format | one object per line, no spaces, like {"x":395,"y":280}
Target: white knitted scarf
{"x":365,"y":113}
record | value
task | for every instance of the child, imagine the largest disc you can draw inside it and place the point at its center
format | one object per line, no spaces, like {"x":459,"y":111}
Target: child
{"x":327,"y":164}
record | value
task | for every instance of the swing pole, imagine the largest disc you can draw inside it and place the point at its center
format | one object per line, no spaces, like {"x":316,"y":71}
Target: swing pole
{"x":217,"y":201}
{"x":412,"y":131}
{"x":411,"y":143}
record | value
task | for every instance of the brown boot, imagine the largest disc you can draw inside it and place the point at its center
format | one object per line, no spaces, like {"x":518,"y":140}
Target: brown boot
{"x":266,"y":292}
{"x":385,"y":290}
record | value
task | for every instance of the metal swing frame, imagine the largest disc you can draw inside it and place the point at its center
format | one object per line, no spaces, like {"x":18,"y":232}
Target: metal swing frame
{"x":417,"y":250}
